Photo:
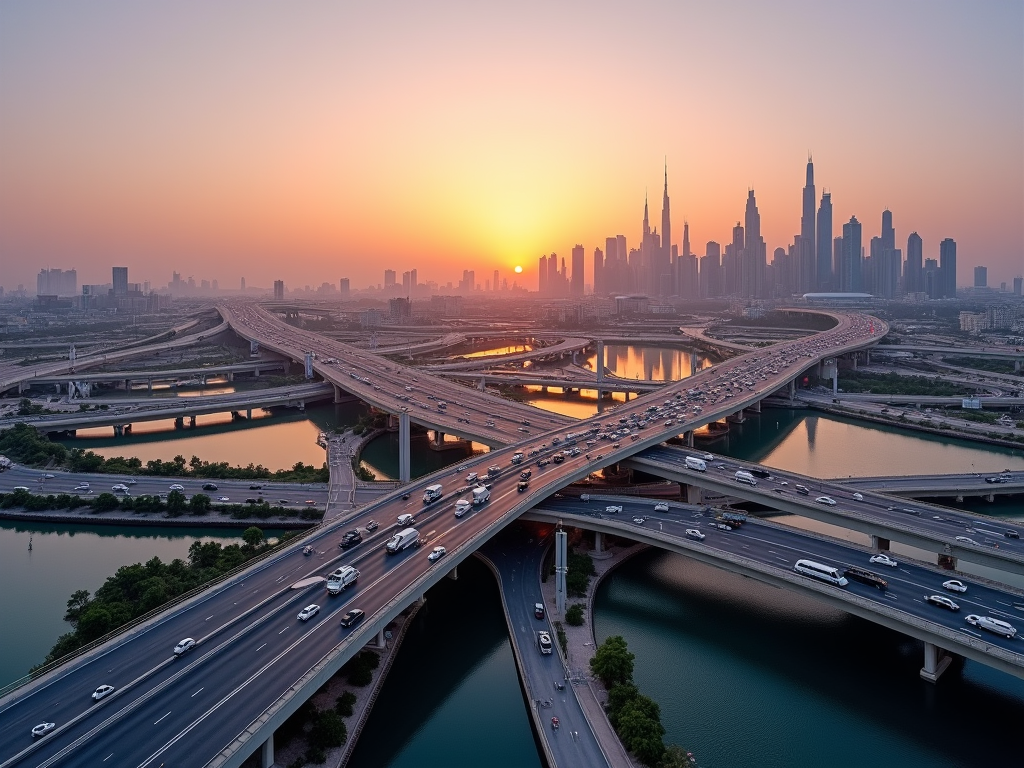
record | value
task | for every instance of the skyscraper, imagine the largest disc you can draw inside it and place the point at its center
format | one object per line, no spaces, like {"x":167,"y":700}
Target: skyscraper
{"x":753,"y":258}
{"x":495,"y":283}
{"x":576,"y":286}
{"x":850,"y":279}
{"x":808,"y":242}
{"x":947,"y":268}
{"x":664,"y":263}
{"x":389,"y":278}
{"x":279,"y":290}
{"x":121,"y":281}
{"x":542,"y":276}
{"x":981,"y":277}
{"x":824,"y":246}
{"x":599,"y":288}
{"x":344,"y":288}
{"x":913,"y":281}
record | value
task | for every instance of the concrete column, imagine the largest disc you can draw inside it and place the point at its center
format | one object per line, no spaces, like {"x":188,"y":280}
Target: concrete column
{"x":267,"y":752}
{"x":854,"y":356}
{"x":598,"y":541}
{"x":867,"y":357}
{"x":935,"y":662}
{"x":231,"y":376}
{"x":756,"y":407}
{"x":438,"y":437}
{"x":381,"y":642}
{"x":694,"y":494}
{"x":179,"y":422}
{"x":599,"y":365}
{"x":118,"y":430}
{"x":990,"y":497}
{"x":561,"y":566}
{"x":421,"y":600}
{"x":404,"y":472}
{"x":481,"y":385}
{"x":879,"y":544}
{"x":835,"y":381}
{"x":689,"y":439}
{"x":792,"y":390}
{"x":337,"y":393}
{"x":453,"y":574}
{"x":191,"y":421}
{"x":149,"y":384}
{"x":248,"y":413}
{"x":1016,"y":366}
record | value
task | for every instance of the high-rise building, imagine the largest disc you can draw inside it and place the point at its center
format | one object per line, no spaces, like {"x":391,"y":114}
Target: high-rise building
{"x":121,"y":281}
{"x":711,"y":270}
{"x":344,"y":288}
{"x":494,"y":285}
{"x":389,"y":278}
{"x":578,"y":255}
{"x":57,"y":282}
{"x":664,"y":262}
{"x":1018,"y":283}
{"x":753,"y":253}
{"x":823,"y":249}
{"x":808,"y":243}
{"x":912,"y":270}
{"x":599,"y":289}
{"x":279,"y":290}
{"x":542,"y":276}
{"x":947,"y":267}
{"x":932,"y":279}
{"x":853,"y":256}
{"x":981,"y":277}
{"x":241,"y":287}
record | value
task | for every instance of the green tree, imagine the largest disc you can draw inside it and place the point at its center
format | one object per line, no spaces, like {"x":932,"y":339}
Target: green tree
{"x":253,"y":537}
{"x":328,"y":731}
{"x":344,"y":705}
{"x":641,"y":734}
{"x":78,"y":602}
{"x":618,"y":697}
{"x":574,"y":615}
{"x":176,"y":503}
{"x":105,"y":502}
{"x":676,"y":757}
{"x":613,"y":662}
{"x":199,"y":504}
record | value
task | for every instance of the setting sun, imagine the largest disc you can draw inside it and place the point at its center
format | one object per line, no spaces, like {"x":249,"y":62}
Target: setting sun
{"x":519,"y":269}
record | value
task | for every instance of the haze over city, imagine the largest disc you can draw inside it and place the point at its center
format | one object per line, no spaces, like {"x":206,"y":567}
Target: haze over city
{"x":251,"y":139}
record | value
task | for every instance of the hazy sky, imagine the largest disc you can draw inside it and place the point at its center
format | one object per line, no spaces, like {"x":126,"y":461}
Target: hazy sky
{"x":318,"y":140}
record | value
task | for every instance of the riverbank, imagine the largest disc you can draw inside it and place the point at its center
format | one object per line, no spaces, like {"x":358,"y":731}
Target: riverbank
{"x":581,"y":645}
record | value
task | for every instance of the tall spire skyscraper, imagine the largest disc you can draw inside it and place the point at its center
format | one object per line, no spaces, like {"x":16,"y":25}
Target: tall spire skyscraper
{"x":824,"y":255}
{"x":808,"y":260}
{"x":666,"y":222}
{"x":752,"y":266}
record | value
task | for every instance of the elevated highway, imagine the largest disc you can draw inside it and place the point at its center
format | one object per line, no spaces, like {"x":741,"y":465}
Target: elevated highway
{"x":171,"y":374}
{"x":255,"y":664}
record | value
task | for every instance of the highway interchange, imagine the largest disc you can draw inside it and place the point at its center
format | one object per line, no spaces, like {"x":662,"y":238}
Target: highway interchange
{"x":236,"y":674}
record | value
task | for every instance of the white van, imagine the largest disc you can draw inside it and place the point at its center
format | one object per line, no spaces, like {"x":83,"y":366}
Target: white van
{"x":432,"y":493}
{"x":405,"y":520}
{"x":692,"y":462}
{"x":820,"y":571}
{"x":745,"y":477}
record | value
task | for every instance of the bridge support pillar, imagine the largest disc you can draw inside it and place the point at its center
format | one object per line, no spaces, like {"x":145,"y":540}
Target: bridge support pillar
{"x":561,"y":568}
{"x":598,"y":542}
{"x":935,"y":662}
{"x":599,"y":364}
{"x":694,"y":494}
{"x":756,"y":407}
{"x":421,"y":600}
{"x":438,"y":437}
{"x":481,"y":385}
{"x":453,"y":574}
{"x":231,"y":376}
{"x":267,"y":752}
{"x":404,"y":473}
{"x":990,"y":497}
{"x":149,"y":384}
{"x":248,"y":413}
{"x":792,"y":390}
{"x":118,"y":430}
{"x":960,"y":499}
{"x":946,"y":562}
{"x":179,"y":422}
{"x":689,"y":439}
{"x":867,"y":357}
{"x":191,"y":421}
{"x":1016,"y":366}
{"x":737,"y":418}
{"x":854,"y":356}
{"x":879,"y":544}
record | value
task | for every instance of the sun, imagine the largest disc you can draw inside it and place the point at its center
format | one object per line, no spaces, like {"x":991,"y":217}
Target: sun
{"x":519,"y":269}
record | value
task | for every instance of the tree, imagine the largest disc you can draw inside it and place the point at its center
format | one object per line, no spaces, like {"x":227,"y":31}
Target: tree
{"x":613,"y":662}
{"x":176,"y":503}
{"x":105,"y":502}
{"x":253,"y":537}
{"x":641,"y":734}
{"x":618,"y":697}
{"x":328,"y":731}
{"x":677,"y":757}
{"x":199,"y":504}
{"x":344,"y":705}
{"x":78,"y":602}
{"x":574,"y":615}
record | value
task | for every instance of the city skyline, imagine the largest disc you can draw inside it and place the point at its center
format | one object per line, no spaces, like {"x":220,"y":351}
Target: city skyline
{"x":228,"y":169}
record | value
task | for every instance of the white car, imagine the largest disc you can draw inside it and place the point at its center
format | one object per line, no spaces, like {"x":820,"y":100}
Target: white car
{"x":693,"y":533}
{"x":42,"y":729}
{"x":638,"y":520}
{"x":859,"y":496}
{"x":992,"y":625}
{"x":82,"y":487}
{"x":436,"y":554}
{"x":177,"y":487}
{"x":102,"y":691}
{"x":827,"y":500}
{"x":184,"y":646}
{"x":309,"y":612}
{"x":462,"y":507}
{"x":661,"y":507}
{"x":953,"y":585}
{"x":942,"y":601}
{"x":612,"y":510}
{"x":883,"y":560}
{"x":223,"y":498}
{"x":966,"y":540}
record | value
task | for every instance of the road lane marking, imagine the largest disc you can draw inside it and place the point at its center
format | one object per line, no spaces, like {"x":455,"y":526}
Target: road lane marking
{"x":208,"y":618}
{"x":108,"y":757}
{"x":197,"y":692}
{"x":158,"y":721}
{"x":282,"y":631}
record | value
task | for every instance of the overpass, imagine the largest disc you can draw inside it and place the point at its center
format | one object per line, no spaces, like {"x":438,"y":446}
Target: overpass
{"x":514,"y":379}
{"x":939,"y":486}
{"x":255,"y":665}
{"x":255,"y":367}
{"x":565,"y":346}
{"x":992,"y":353}
{"x":179,"y":409}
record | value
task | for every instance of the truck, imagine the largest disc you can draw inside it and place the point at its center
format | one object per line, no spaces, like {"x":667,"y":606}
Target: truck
{"x":341,"y":578}
{"x":480,"y":495}
{"x":731,"y":518}
{"x":692,"y":462}
{"x":402,"y":540}
{"x":544,"y":642}
{"x":432,"y":493}
{"x":517,"y":457}
{"x":745,"y":477}
{"x":493,"y":471}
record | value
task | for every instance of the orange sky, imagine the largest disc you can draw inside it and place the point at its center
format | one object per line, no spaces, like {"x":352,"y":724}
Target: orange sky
{"x":268,"y":141}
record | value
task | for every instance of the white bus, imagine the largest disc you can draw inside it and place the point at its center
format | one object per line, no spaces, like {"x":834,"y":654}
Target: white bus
{"x":819,"y":571}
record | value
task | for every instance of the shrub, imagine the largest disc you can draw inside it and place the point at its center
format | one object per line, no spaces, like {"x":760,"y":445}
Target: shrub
{"x":574,"y":615}
{"x":345,"y":703}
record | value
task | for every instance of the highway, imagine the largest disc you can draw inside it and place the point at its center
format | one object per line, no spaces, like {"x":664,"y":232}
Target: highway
{"x":937,"y":529}
{"x":198,"y":715}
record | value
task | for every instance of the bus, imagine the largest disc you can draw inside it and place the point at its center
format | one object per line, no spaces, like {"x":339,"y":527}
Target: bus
{"x":819,"y":571}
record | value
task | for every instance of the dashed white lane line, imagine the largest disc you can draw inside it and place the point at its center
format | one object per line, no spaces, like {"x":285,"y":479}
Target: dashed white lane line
{"x":197,"y":692}
{"x":158,"y":721}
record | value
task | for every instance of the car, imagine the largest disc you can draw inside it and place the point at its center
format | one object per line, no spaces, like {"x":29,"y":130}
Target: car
{"x":693,"y":533}
{"x":255,"y":487}
{"x":942,"y":602}
{"x":1011,"y":534}
{"x":826,"y":500}
{"x":526,"y":474}
{"x":184,"y":646}
{"x":353,"y":617}
{"x":405,"y":497}
{"x":858,"y":496}
{"x":436,"y":554}
{"x":997,"y":626}
{"x":372,"y":525}
{"x":176,"y":487}
{"x":954,"y":585}
{"x":223,"y":498}
{"x":966,"y":540}
{"x":252,"y":501}
{"x":661,"y":507}
{"x":129,"y":481}
{"x":82,"y":487}
{"x":802,"y":489}
{"x":350,"y":539}
{"x":613,"y":509}
{"x":102,"y":691}
{"x":309,"y":612}
{"x":882,"y":559}
{"x":522,"y":485}
{"x":118,"y":488}
{"x":723,"y":527}
{"x":209,"y":486}
{"x":538,"y":610}
{"x":283,"y":501}
{"x":866,"y":577}
{"x":638,"y":520}
{"x":42,"y":729}
{"x":310,"y":502}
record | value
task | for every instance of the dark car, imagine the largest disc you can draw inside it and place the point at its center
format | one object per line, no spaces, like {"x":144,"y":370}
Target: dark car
{"x":525,"y":475}
{"x":352,"y":618}
{"x":992,"y":480}
{"x":255,"y":487}
{"x":209,"y":487}
{"x":252,"y":501}
{"x":866,"y":577}
{"x":350,"y":539}
{"x":558,"y":458}
{"x":1011,"y":534}
{"x":538,"y":610}
{"x":523,"y":485}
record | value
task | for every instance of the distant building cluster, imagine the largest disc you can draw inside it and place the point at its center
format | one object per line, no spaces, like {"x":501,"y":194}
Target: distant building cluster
{"x":994,"y":318}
